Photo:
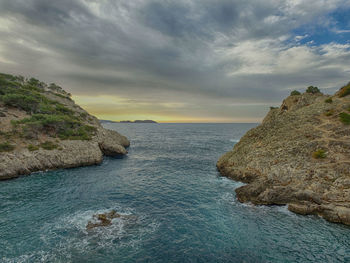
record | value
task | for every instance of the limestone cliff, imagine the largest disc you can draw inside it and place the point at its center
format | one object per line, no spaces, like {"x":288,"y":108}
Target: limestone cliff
{"x":41,"y":128}
{"x":299,"y":156}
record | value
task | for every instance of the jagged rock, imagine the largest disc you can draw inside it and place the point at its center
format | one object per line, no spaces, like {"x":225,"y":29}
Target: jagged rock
{"x":112,"y":143}
{"x":276,"y":159}
{"x":105,"y":219}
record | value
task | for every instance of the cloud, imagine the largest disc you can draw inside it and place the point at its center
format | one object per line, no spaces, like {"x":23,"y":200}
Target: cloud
{"x":182,"y":53}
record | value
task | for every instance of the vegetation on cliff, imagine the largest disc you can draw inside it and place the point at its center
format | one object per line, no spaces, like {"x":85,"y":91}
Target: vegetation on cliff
{"x":42,"y":128}
{"x":46,"y":115}
{"x":299,"y":156}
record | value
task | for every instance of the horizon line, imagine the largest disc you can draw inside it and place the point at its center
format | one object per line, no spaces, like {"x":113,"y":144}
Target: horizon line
{"x":169,"y":122}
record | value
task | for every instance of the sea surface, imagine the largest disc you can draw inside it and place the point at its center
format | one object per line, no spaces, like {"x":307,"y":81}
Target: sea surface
{"x":181,"y":209}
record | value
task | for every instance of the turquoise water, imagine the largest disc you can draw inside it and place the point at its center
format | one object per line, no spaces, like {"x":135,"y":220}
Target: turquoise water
{"x":183,"y":210}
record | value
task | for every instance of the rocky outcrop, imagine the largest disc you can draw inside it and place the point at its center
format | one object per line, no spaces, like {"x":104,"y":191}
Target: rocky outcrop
{"x":102,"y":220}
{"x":299,"y":156}
{"x":61,"y":134}
{"x":69,"y":154}
{"x":106,"y":219}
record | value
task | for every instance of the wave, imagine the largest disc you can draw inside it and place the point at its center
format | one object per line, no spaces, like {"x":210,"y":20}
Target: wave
{"x":68,"y":237}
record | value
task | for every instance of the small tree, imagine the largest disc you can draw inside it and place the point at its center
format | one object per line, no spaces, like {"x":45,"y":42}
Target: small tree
{"x":312,"y":90}
{"x":295,"y":93}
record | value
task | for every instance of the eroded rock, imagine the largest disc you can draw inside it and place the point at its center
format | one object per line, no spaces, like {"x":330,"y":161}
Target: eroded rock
{"x":276,"y":160}
{"x":106,"y":219}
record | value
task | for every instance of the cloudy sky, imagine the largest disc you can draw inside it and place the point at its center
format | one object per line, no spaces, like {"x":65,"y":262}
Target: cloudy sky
{"x":179,"y":60}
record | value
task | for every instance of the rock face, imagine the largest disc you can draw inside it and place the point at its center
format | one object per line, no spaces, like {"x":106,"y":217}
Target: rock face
{"x":79,"y":138}
{"x":299,"y":156}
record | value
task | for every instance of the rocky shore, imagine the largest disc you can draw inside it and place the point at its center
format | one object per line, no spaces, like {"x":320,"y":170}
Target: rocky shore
{"x":299,"y":156}
{"x":43,"y":129}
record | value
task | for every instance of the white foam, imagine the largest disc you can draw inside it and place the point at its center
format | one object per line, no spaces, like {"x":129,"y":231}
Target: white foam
{"x":123,"y":232}
{"x":234,"y":140}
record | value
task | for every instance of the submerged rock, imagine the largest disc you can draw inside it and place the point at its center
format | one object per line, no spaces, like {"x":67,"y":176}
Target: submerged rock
{"x":299,"y":156}
{"x":105,"y":219}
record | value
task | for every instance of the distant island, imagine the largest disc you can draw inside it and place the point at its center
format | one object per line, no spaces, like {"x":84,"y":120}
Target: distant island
{"x":136,"y":121}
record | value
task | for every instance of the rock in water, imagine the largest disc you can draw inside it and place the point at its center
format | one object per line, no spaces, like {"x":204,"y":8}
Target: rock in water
{"x":299,"y":156}
{"x":103,"y":220}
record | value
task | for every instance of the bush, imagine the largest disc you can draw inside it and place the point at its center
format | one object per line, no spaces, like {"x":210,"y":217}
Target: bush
{"x":64,"y":126}
{"x":295,"y":93}
{"x":84,"y":132}
{"x":319,"y":154}
{"x":344,"y":91}
{"x":344,"y":118}
{"x":6,"y":147}
{"x":47,"y":116}
{"x":24,"y":102}
{"x":273,"y":108}
{"x":33,"y":82}
{"x":329,"y":100}
{"x":32,"y":147}
{"x":64,"y":110}
{"x":48,"y":145}
{"x":312,"y":90}
{"x":83,"y":115}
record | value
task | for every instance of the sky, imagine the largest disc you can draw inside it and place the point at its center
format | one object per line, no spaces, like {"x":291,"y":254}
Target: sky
{"x":180,"y":60}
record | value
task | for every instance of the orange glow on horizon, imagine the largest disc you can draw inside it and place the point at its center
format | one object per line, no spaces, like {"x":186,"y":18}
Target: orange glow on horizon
{"x":118,"y":109}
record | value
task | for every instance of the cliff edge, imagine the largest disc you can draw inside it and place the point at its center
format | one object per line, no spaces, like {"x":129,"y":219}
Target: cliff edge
{"x":299,"y":156}
{"x":41,"y":128}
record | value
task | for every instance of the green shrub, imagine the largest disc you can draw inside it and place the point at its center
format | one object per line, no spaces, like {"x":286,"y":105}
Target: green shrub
{"x":319,"y":154}
{"x":7,"y":80}
{"x":295,"y":93}
{"x":312,"y":90}
{"x":344,"y":118}
{"x":32,"y":88}
{"x":24,"y":102}
{"x":6,"y":147}
{"x":7,"y":76}
{"x":47,"y":116}
{"x":46,"y":109}
{"x":273,"y":108}
{"x":62,"y":109}
{"x":64,"y":126}
{"x":48,"y":145}
{"x":33,"y":82}
{"x":63,"y":96}
{"x":32,"y":147}
{"x":344,"y":91}
{"x":329,"y":100}
{"x":84,"y":132}
{"x":83,"y":115}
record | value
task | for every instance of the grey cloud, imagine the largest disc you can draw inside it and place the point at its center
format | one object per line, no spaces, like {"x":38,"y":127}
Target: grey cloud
{"x":170,"y":50}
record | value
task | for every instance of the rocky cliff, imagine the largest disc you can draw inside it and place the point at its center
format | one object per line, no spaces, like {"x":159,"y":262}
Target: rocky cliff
{"x":41,"y":128}
{"x":299,"y":156}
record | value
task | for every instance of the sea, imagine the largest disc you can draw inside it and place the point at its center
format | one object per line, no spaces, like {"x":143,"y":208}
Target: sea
{"x":175,"y":207}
